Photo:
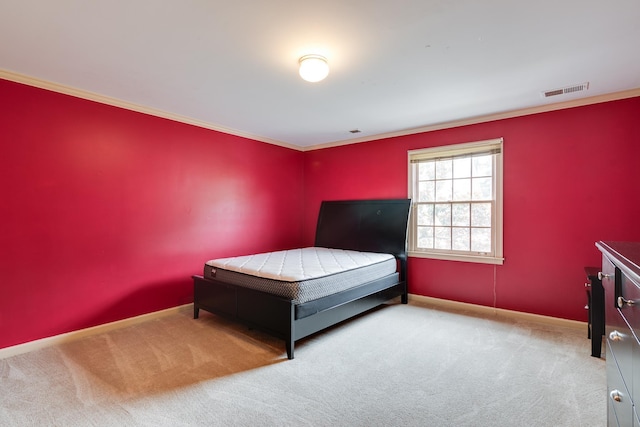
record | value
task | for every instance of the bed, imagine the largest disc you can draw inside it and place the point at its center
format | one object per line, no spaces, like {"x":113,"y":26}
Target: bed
{"x":370,"y":233}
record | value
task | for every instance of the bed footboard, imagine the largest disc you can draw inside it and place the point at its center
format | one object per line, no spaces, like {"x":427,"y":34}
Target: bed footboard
{"x":256,"y":309}
{"x":276,"y":315}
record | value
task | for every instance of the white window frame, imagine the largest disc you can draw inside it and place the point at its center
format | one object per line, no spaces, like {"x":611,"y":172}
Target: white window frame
{"x":496,"y":255}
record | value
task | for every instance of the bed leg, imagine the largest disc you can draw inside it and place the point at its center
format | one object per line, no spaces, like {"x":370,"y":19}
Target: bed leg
{"x":290,"y":334}
{"x":290,"y":349}
{"x":404,"y":299}
{"x":196,"y":311}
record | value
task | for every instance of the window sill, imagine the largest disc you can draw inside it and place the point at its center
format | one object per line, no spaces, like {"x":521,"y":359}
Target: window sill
{"x":458,"y":257}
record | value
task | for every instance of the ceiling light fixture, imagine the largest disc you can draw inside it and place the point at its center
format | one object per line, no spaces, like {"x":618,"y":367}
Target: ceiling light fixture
{"x":313,"y":68}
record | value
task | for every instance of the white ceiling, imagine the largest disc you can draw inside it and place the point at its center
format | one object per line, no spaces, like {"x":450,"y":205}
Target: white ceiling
{"x":396,"y":66}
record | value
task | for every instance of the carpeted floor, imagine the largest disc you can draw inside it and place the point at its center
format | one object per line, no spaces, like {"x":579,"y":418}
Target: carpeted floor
{"x":400,"y":365}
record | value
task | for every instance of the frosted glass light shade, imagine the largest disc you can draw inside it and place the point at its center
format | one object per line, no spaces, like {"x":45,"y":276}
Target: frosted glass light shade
{"x":313,"y":68}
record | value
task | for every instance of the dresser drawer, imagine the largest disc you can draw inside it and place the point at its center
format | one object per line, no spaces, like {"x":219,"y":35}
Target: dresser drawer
{"x":621,"y":343}
{"x":620,"y":405}
{"x":629,"y":301}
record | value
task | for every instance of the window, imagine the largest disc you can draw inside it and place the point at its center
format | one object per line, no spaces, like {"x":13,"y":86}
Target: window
{"x":457,"y":202}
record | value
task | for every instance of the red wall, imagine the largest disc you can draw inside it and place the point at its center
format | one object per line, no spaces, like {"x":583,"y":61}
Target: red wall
{"x":571,"y":178}
{"x":106,"y":213}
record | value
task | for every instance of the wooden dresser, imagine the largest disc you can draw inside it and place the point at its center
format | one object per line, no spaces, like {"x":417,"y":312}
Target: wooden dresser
{"x":620,"y":278}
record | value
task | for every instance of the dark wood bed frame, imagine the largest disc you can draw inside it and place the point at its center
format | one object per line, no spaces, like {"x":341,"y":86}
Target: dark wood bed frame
{"x":362,"y":225}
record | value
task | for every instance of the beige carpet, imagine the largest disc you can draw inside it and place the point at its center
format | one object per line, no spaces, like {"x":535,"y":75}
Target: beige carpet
{"x":401,"y":365}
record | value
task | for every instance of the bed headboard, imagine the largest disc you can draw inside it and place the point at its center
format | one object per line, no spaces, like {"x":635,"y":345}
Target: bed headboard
{"x":364,"y":225}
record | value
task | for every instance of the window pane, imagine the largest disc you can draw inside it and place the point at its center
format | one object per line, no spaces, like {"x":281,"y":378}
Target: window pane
{"x":481,"y":239}
{"x":482,"y":189}
{"x":461,"y":240}
{"x":483,"y":165}
{"x":443,"y":214}
{"x":443,"y":238}
{"x":444,"y":190}
{"x":425,"y":237}
{"x":426,"y":170}
{"x":462,"y":167}
{"x":461,"y":214}
{"x":481,"y":215}
{"x":427,"y":191}
{"x":425,"y":214}
{"x":444,"y":169}
{"x":461,"y":189}
{"x":457,"y":195}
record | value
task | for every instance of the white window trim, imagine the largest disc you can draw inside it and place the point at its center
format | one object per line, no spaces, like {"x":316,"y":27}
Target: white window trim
{"x":497,"y":226}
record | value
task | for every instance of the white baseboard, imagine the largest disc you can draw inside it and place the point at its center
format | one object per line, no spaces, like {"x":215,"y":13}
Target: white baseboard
{"x":489,"y":311}
{"x":74,"y":335}
{"x":429,"y":301}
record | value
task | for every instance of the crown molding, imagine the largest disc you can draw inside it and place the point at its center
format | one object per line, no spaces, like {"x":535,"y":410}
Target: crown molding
{"x":632,"y":93}
{"x":103,"y":99}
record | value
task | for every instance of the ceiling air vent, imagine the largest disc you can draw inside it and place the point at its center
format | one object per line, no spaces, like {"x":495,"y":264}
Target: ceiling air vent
{"x":565,"y":90}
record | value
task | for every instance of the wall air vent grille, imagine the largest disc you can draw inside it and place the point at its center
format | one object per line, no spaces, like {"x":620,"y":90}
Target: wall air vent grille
{"x":565,"y":90}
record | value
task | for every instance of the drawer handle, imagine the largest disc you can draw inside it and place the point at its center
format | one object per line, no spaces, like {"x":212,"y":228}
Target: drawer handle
{"x":616,"y":336}
{"x":602,"y":275}
{"x":622,"y":302}
{"x":616,"y":395}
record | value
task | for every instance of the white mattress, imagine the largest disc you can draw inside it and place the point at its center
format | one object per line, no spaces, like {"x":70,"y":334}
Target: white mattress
{"x":302,"y":274}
